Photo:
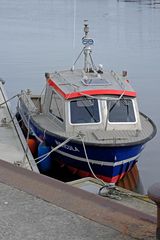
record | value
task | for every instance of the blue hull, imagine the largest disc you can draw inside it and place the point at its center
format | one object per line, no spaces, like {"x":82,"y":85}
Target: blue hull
{"x":108,"y":163}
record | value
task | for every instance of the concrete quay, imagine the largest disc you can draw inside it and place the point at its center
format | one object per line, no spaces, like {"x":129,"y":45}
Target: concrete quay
{"x":36,"y":207}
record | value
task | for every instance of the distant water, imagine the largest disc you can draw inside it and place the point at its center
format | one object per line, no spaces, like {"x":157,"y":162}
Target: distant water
{"x":39,"y":36}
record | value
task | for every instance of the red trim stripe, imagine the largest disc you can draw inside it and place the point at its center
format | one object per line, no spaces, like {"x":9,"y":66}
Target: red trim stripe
{"x":89,"y":92}
{"x":82,"y":174}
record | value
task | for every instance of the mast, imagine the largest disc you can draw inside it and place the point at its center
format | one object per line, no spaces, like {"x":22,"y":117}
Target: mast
{"x":87,"y":42}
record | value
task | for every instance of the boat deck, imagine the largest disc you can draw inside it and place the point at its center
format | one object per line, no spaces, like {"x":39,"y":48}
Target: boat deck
{"x":12,"y":143}
{"x":121,"y":137}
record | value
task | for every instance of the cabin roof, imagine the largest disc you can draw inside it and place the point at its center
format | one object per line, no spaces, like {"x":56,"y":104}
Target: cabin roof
{"x":74,"y":84}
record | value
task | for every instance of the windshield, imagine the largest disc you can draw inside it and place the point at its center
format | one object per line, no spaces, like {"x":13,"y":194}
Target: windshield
{"x":121,"y":110}
{"x":84,"y":111}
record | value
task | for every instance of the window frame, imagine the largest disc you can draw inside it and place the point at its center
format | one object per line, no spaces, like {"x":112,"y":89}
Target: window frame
{"x":122,"y":123}
{"x":60,"y":118}
{"x":90,"y":123}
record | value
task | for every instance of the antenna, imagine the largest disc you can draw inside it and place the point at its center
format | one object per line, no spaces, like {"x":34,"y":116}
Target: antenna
{"x":74,"y":26}
{"x":86,"y":28}
{"x":87,"y":42}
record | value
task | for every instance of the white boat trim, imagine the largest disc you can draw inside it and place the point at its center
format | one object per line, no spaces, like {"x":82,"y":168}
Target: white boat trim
{"x":101,"y":163}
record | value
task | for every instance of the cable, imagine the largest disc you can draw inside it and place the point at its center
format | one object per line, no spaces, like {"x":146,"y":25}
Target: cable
{"x":17,"y":95}
{"x":89,"y":165}
{"x":27,"y":138}
{"x":54,"y":149}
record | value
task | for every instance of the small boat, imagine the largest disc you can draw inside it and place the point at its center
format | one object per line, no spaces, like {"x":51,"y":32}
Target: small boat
{"x":89,"y":118}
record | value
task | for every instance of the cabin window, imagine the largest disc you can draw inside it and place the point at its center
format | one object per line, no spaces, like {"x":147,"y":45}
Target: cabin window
{"x":56,"y":106}
{"x":121,"y":110}
{"x":84,"y":111}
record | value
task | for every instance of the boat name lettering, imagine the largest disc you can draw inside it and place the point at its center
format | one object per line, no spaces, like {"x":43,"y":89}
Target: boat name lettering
{"x":68,"y":147}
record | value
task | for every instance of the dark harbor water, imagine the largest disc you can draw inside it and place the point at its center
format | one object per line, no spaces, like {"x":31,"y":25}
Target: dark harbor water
{"x":43,"y":36}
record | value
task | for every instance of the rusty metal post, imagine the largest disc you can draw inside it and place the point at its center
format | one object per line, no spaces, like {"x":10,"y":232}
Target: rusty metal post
{"x":154,"y":195}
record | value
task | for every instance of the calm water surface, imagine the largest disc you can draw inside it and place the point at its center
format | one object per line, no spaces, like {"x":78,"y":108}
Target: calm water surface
{"x":42,"y":36}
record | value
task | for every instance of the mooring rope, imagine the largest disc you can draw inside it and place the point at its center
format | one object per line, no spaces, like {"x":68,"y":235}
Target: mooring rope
{"x":89,"y":165}
{"x":17,"y":95}
{"x":44,"y":156}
